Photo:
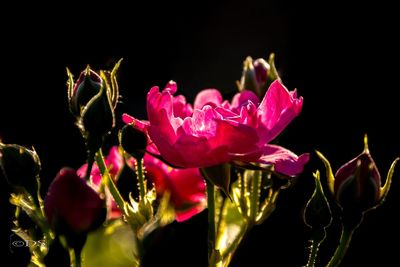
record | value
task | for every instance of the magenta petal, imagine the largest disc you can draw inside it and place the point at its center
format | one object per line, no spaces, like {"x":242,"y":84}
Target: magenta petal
{"x":171,"y":86}
{"x":187,"y":214}
{"x":210,"y":97}
{"x":243,"y":98}
{"x":285,"y":161}
{"x":278,"y":108}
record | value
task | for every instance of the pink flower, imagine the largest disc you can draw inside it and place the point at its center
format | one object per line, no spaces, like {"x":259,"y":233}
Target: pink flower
{"x":71,"y":202}
{"x":218,"y":132}
{"x":186,"y":186}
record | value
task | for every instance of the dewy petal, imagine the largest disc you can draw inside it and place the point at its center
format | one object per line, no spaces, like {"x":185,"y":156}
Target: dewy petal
{"x":210,"y":97}
{"x":278,"y":108}
{"x":285,"y":161}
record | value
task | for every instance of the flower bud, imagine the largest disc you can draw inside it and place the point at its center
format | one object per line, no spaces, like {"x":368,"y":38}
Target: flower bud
{"x":72,"y":206}
{"x":86,"y":87}
{"x":317,"y":213}
{"x":258,"y":75}
{"x":133,"y":141}
{"x":357,"y":183}
{"x":92,"y":101}
{"x":98,"y":115}
{"x":20,"y":166}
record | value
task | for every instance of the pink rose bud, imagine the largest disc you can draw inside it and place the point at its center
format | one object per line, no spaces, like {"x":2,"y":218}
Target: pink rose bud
{"x":255,"y":75}
{"x":357,"y":183}
{"x":72,"y":206}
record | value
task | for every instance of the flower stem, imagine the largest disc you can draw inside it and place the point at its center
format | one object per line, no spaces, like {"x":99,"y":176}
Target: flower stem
{"x":90,"y":161}
{"x":313,"y":253}
{"x":108,"y":181}
{"x":318,"y":236}
{"x":75,"y":258}
{"x":140,"y":176}
{"x":345,"y":239}
{"x":211,"y":218}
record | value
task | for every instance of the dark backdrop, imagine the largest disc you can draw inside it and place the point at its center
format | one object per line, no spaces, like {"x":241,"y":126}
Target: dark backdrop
{"x":343,"y":60}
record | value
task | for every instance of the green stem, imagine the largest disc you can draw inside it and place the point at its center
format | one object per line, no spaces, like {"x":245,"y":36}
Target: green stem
{"x":345,"y":239}
{"x":90,"y":161}
{"x":109,"y":182}
{"x":75,"y":258}
{"x":211,"y":218}
{"x":318,"y":236}
{"x":255,"y":196}
{"x":140,"y":176}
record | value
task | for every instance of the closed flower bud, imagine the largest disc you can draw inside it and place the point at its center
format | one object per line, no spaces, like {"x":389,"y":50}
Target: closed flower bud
{"x":356,"y":186}
{"x":98,"y":115}
{"x":133,"y":141}
{"x":317,"y":213}
{"x":86,"y":87}
{"x":72,"y":206}
{"x":93,"y":98}
{"x":357,"y":183}
{"x":20,"y":166}
{"x":258,"y":75}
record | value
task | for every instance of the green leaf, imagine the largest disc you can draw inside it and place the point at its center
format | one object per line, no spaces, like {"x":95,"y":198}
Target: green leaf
{"x":329,"y":173}
{"x":385,"y":189}
{"x":113,"y":245}
{"x":231,"y":230}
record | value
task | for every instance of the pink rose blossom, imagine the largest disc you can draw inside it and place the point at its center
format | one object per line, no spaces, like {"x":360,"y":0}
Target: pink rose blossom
{"x":215,"y":131}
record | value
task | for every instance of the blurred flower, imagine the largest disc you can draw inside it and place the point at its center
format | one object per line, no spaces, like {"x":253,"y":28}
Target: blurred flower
{"x":73,"y":206}
{"x":186,"y":186}
{"x":218,"y":132}
{"x":21,"y":167}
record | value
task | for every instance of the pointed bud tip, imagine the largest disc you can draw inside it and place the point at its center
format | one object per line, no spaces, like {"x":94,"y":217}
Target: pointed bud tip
{"x":366,"y":149}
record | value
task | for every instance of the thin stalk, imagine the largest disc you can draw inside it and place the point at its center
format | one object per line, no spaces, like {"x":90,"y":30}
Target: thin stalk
{"x":108,"y":181}
{"x":211,"y":217}
{"x":140,"y":176}
{"x":345,"y":239}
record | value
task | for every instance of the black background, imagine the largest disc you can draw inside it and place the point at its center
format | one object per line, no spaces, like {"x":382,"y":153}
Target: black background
{"x":342,"y":59}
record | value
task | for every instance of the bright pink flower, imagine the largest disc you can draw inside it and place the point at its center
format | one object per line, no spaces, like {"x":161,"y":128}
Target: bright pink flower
{"x":217,"y":131}
{"x":71,"y":203}
{"x":186,"y":186}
